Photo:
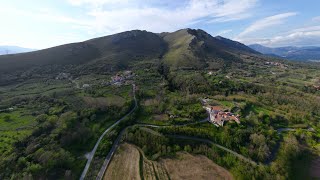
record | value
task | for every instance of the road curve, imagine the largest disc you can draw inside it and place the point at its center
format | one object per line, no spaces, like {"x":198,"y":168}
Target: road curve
{"x":117,"y":141}
{"x":217,"y":145}
{"x":116,"y":144}
{"x":203,"y":140}
{"x":92,"y":153}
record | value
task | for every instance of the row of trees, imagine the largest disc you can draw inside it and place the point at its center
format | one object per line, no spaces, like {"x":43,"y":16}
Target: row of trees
{"x":155,"y":146}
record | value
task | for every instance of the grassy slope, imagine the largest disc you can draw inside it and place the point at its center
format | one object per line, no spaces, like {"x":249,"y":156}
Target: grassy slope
{"x":179,"y":52}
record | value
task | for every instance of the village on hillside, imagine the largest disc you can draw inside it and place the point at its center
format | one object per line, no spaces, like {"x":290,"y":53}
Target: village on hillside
{"x":122,"y":78}
{"x":281,"y":65}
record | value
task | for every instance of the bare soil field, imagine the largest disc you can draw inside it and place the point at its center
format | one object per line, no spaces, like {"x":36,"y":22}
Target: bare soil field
{"x":187,"y":166}
{"x":127,"y":162}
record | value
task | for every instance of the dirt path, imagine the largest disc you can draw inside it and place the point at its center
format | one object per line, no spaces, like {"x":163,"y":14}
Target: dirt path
{"x":92,"y":153}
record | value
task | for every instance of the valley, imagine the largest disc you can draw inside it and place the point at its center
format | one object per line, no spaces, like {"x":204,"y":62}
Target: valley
{"x":134,"y":104}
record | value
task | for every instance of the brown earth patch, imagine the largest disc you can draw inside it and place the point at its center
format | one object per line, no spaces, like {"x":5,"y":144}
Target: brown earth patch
{"x":161,"y":117}
{"x":124,"y":164}
{"x":103,"y":102}
{"x":189,"y":167}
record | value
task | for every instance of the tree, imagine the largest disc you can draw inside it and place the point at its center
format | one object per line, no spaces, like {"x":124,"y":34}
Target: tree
{"x":259,"y":147}
{"x":7,"y":118}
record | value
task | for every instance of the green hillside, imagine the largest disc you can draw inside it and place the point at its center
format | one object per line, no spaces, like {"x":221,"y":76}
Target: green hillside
{"x":150,"y":90}
{"x":186,"y":49}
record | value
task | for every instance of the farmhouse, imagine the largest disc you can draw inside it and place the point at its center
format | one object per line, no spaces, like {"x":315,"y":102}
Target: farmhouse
{"x":217,"y":116}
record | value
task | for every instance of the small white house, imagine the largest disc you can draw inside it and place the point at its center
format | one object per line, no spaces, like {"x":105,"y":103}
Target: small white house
{"x":85,"y":86}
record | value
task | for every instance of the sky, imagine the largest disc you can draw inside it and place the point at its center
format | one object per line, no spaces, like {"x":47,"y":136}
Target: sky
{"x":47,"y":23}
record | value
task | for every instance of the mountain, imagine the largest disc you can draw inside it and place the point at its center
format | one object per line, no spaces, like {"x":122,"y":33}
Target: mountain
{"x":186,"y":48}
{"x":290,"y":52}
{"x":194,"y":49}
{"x":13,"y":50}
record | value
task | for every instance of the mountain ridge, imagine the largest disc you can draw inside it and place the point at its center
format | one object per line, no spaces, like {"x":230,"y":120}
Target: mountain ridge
{"x":185,"y":48}
{"x":305,"y":53}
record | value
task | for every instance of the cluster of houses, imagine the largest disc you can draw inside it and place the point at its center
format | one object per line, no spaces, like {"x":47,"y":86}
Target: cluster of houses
{"x":217,"y":116}
{"x":62,"y":76}
{"x":317,"y":87}
{"x":122,"y":78}
{"x":276,"y":64}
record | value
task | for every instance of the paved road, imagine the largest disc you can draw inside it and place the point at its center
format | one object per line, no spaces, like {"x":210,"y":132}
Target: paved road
{"x":116,"y":144}
{"x":117,"y":141}
{"x":92,"y":153}
{"x":203,"y":140}
{"x":109,"y":156}
{"x":217,"y":145}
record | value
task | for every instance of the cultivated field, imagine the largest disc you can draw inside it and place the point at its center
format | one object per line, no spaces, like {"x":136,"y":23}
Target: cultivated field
{"x":125,"y":164}
{"x":128,"y":160}
{"x":187,"y":166}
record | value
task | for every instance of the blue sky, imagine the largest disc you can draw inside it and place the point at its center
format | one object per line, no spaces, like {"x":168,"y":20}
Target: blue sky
{"x":46,"y":23}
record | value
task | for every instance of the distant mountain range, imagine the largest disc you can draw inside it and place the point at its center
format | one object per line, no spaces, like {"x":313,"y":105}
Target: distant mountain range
{"x":13,"y":50}
{"x":308,"y":53}
{"x":182,"y":49}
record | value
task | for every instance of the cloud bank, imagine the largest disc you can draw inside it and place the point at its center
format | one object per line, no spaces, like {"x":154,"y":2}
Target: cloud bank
{"x":109,"y":16}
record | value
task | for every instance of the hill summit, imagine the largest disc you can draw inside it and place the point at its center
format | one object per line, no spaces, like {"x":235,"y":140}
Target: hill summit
{"x":185,"y":48}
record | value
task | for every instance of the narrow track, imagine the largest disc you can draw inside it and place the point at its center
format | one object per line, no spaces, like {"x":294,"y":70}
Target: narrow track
{"x":92,"y":153}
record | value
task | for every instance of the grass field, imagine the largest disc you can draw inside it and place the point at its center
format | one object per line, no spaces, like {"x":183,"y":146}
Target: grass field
{"x":14,"y":126}
{"x":130,"y":163}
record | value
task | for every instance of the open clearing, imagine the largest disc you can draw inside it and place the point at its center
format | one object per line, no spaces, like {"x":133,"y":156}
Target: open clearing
{"x":128,"y":160}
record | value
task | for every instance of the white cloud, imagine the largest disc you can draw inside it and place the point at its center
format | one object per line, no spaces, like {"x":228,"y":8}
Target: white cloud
{"x":316,"y":19}
{"x":95,"y":2}
{"x":37,"y":26}
{"x":143,"y":15}
{"x":266,"y":23}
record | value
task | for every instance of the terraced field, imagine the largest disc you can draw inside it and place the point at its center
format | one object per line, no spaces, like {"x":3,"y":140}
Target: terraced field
{"x":153,"y":170}
{"x":125,"y":164}
{"x":130,"y":163}
{"x":188,"y":167}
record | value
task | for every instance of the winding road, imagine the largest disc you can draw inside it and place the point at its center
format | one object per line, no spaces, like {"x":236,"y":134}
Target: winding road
{"x":117,"y":141}
{"x":92,"y":153}
{"x":116,"y":144}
